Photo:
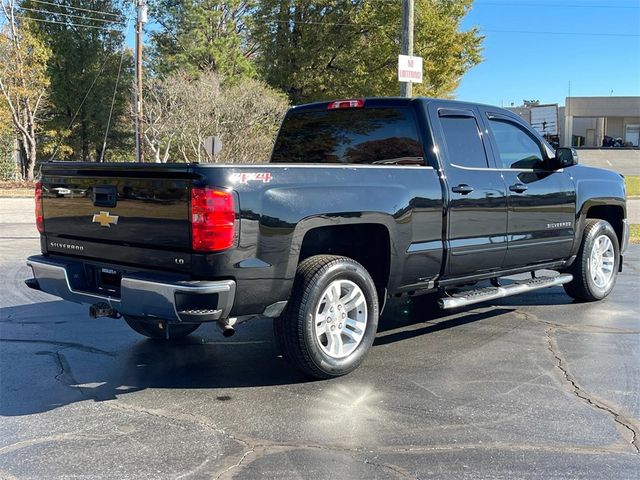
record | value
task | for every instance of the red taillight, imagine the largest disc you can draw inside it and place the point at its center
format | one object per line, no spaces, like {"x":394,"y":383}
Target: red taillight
{"x":213,"y":218}
{"x":38,"y":198}
{"x":355,"y":103}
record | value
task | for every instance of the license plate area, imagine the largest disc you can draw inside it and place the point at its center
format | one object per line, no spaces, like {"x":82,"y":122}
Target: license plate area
{"x":108,"y":281}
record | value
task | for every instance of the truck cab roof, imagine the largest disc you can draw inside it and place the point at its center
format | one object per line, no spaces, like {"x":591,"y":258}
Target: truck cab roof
{"x":382,"y":102}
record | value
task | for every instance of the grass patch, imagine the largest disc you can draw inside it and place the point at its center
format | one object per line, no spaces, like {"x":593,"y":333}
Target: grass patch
{"x":633,"y":185}
{"x":16,"y":188}
{"x":16,"y":192}
{"x":634,"y":233}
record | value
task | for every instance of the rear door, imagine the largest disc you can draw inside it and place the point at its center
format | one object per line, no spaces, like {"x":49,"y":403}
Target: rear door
{"x":477,"y":203}
{"x":135,"y":214}
{"x":541,"y":202}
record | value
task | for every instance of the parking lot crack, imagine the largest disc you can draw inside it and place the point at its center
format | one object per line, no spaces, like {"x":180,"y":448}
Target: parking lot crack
{"x":64,"y":375}
{"x":174,"y":417}
{"x":562,"y":365}
{"x":394,"y":468}
{"x":237,"y":464}
{"x":584,"y":328}
{"x":64,"y":345}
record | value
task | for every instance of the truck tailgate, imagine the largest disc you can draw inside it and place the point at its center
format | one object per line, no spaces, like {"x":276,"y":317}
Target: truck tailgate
{"x":138,"y":214}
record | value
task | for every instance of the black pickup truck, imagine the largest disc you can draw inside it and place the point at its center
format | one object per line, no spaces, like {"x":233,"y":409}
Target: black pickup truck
{"x":361,"y":200}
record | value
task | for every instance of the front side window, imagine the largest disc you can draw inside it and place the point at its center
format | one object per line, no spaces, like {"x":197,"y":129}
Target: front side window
{"x":516,"y":148}
{"x":361,"y":136}
{"x":463,"y":141}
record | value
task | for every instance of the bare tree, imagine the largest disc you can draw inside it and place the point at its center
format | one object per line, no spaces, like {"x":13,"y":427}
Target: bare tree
{"x":160,"y":130}
{"x":23,"y":81}
{"x":182,"y":112}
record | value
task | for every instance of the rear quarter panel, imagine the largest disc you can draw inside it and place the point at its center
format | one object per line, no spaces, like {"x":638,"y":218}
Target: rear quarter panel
{"x":279,"y":204}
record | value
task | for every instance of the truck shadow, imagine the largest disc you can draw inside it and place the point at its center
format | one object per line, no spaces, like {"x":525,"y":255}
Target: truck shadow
{"x":58,"y":358}
{"x":399,"y":321}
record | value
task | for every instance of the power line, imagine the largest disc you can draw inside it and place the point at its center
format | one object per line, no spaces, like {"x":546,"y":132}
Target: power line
{"x":104,"y":64}
{"x":304,"y":22}
{"x":84,"y":99}
{"x":175,"y":37}
{"x":68,"y":24}
{"x":553,"y":5}
{"x":533,"y":32}
{"x":82,"y":17}
{"x":115,"y":91}
{"x":79,"y":8}
{"x":585,"y":34}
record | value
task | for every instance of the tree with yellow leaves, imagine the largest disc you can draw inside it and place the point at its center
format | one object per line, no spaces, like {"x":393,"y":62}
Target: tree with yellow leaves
{"x":23,"y":81}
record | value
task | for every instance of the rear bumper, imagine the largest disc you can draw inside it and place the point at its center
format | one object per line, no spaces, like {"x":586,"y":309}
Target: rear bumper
{"x":141,"y":295}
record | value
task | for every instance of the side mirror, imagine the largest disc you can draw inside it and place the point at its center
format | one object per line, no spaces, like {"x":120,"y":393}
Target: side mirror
{"x":565,"y":157}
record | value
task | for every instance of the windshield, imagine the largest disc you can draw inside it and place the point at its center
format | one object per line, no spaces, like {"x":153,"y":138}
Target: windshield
{"x":361,"y":136}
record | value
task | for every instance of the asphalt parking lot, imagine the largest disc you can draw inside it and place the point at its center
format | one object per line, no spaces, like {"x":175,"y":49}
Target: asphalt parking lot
{"x":622,"y":160}
{"x":527,"y":387}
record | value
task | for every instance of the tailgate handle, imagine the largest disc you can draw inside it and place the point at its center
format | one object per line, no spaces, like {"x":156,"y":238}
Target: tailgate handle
{"x":105,"y":196}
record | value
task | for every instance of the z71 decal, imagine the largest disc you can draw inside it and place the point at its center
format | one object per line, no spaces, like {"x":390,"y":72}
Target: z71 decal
{"x":264,"y":177}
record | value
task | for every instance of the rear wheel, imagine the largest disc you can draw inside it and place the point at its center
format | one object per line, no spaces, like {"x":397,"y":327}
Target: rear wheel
{"x":153,"y":329}
{"x":331,"y":319}
{"x":596,"y":267}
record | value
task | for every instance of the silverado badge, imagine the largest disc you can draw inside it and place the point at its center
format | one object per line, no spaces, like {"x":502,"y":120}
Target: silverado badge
{"x":104,"y":219}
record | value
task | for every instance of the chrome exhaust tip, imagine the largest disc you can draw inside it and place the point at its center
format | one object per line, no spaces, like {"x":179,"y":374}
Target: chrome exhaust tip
{"x":227,"y":328}
{"x":228,"y":331}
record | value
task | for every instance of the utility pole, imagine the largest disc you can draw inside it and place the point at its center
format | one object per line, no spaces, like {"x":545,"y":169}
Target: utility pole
{"x":406,"y":48}
{"x":141,"y":19}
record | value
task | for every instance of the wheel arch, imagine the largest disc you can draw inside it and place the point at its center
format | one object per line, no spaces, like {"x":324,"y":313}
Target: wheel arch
{"x":610,"y":210}
{"x":367,"y":240}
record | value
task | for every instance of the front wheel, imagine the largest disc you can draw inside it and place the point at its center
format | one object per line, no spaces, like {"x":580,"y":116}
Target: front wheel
{"x":167,"y":332}
{"x":332,"y":317}
{"x":596,"y":267}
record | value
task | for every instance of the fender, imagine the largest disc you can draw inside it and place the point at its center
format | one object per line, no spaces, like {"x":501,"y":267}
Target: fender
{"x":595,"y":187}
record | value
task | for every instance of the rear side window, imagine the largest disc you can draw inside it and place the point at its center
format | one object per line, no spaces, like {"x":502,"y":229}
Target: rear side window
{"x":516,"y":148}
{"x":361,"y":136}
{"x":463,"y":141}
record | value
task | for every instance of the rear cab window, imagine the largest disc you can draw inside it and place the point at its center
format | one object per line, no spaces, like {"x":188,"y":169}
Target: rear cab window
{"x":373,"y":136}
{"x":463,"y":141}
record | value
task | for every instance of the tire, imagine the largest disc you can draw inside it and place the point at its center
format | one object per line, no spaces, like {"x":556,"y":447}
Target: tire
{"x":316,"y":343}
{"x":152,"y":330}
{"x":595,"y":276}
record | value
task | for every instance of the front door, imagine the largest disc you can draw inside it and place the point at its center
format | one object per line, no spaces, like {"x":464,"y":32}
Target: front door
{"x":477,"y":203}
{"x":541,"y":202}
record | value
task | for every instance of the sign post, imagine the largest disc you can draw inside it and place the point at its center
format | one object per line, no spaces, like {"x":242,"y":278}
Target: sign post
{"x":406,"y":45}
{"x":212,"y":146}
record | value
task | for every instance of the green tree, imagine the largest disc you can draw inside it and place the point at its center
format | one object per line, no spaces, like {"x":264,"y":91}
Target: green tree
{"x":202,"y":35}
{"x":23,"y":82}
{"x":87,"y":65}
{"x":340,"y":48}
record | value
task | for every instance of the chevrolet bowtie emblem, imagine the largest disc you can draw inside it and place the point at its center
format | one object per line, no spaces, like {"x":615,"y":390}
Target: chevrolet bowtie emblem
{"x":104,"y":219}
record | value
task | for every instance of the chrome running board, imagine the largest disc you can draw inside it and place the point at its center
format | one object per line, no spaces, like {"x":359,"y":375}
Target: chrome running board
{"x":491,"y":293}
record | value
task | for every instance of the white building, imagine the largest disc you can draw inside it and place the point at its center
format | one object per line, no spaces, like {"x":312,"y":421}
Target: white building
{"x":585,"y":121}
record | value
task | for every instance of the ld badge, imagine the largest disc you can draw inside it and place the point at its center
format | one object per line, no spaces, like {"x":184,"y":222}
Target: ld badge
{"x":104,"y":219}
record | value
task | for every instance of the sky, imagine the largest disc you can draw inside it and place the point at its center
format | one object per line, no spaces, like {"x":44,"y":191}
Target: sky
{"x":593,"y":45}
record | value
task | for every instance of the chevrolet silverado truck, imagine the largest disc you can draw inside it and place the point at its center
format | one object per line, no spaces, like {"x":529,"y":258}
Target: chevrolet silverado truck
{"x":362,"y":199}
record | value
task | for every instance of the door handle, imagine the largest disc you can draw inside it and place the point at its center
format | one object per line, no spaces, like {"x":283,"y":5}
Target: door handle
{"x":518,"y":188}
{"x":463,"y":189}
